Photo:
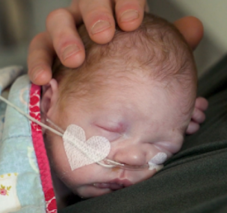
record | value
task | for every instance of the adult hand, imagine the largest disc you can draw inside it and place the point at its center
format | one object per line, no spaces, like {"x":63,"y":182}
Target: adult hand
{"x":62,"y":37}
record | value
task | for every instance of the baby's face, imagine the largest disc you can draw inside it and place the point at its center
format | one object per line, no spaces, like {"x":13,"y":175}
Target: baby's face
{"x":140,"y":118}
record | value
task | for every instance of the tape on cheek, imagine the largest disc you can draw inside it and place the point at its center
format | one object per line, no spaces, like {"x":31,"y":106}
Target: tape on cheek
{"x":81,"y":152}
{"x":157,"y":161}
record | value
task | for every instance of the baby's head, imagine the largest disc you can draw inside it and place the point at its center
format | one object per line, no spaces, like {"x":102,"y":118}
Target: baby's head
{"x":138,"y":91}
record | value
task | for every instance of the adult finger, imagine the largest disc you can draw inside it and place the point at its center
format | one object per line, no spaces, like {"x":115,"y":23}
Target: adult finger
{"x":191,"y":28}
{"x":40,"y":56}
{"x":129,"y":13}
{"x":98,"y":19}
{"x":61,"y":27}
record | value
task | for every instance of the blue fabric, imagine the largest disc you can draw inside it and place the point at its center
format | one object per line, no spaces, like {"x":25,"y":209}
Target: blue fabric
{"x":20,"y":185}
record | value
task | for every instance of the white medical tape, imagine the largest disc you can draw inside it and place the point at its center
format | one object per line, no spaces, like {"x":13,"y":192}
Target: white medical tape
{"x":157,"y":161}
{"x":79,"y":151}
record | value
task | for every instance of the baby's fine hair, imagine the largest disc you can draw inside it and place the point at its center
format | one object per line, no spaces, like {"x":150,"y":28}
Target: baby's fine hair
{"x":157,"y":48}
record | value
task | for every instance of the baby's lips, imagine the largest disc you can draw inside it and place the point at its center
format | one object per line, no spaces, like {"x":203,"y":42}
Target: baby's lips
{"x":114,"y":184}
{"x":123,"y":182}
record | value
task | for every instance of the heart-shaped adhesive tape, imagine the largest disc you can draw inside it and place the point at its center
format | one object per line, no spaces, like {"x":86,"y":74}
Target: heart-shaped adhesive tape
{"x":81,"y":152}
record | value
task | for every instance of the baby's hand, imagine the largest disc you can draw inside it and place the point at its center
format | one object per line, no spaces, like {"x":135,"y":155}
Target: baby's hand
{"x":198,"y":115}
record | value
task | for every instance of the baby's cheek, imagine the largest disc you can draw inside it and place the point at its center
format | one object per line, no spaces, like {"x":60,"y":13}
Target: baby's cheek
{"x":170,"y":147}
{"x":160,"y":152}
{"x":157,"y":155}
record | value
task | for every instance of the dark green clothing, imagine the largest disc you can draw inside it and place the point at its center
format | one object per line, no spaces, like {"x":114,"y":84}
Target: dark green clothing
{"x":195,"y":179}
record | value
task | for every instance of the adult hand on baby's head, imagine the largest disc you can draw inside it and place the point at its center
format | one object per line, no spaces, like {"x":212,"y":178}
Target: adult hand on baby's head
{"x":192,"y":30}
{"x":61,"y":35}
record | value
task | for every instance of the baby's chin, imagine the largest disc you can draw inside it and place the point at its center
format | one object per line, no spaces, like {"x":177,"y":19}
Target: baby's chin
{"x":89,"y":191}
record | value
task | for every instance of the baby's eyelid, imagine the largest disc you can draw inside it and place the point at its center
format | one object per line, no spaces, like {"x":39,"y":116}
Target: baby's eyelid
{"x":109,"y":129}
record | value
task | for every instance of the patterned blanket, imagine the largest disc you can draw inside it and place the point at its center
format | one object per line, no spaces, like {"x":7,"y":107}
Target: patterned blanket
{"x":25,"y":178}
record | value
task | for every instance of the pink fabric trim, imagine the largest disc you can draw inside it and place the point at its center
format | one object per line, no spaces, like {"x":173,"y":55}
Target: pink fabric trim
{"x":40,"y":151}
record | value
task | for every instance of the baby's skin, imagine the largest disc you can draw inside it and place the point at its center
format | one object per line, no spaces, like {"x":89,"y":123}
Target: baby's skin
{"x":136,"y":115}
{"x":123,"y":101}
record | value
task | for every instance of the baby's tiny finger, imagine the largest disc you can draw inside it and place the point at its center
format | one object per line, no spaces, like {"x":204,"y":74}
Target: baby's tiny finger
{"x":201,"y":103}
{"x":198,"y":115}
{"x":192,"y":128}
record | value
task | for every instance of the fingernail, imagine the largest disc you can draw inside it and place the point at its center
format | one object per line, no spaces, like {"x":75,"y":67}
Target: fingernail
{"x":100,"y":26}
{"x":36,"y":72}
{"x":70,"y":50}
{"x":129,"y":15}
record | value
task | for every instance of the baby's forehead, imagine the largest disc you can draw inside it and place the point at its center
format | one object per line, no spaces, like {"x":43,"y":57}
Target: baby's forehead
{"x":124,"y":87}
{"x":121,"y":81}
{"x":132,"y":77}
{"x":129,"y":99}
{"x":138,"y":87}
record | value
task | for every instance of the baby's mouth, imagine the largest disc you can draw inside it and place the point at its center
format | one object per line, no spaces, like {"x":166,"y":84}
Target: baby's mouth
{"x":115,"y":184}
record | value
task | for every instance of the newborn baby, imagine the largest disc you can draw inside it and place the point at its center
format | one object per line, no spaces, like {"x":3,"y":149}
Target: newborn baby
{"x":138,"y":91}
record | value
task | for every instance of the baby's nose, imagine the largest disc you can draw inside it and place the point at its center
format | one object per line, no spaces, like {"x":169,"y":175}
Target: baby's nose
{"x":132,"y":155}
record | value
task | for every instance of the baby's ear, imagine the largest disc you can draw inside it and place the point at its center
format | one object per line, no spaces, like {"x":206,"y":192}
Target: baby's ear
{"x":49,"y":97}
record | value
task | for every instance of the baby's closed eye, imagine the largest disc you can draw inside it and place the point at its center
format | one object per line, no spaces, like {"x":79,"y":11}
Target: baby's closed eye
{"x":112,"y":129}
{"x":110,"y":133}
